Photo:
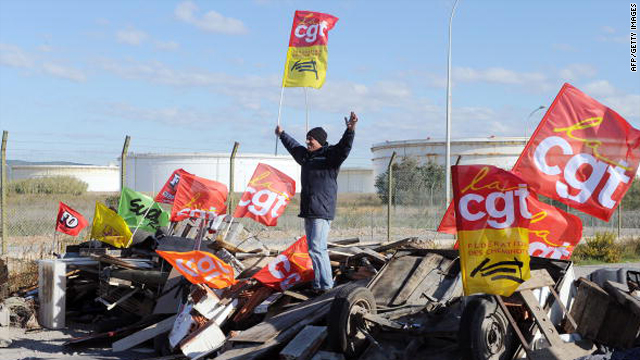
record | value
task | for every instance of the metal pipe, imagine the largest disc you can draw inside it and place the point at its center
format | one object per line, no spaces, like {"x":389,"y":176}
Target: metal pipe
{"x":3,"y":193}
{"x":389,"y":193}
{"x":123,"y":162}
{"x":448,"y":146}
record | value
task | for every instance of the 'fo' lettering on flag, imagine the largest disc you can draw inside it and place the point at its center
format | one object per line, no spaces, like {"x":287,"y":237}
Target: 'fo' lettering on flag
{"x":69,"y":221}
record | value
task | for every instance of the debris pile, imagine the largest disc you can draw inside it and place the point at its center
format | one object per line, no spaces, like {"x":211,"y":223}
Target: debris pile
{"x":391,"y":301}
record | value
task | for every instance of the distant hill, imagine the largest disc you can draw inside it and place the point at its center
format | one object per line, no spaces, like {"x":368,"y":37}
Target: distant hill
{"x":22,"y":162}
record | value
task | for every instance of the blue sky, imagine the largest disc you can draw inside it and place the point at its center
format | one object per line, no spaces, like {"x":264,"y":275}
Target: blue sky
{"x":182,"y":76}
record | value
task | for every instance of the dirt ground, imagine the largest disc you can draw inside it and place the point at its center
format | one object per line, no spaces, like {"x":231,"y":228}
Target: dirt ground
{"x":47,"y":344}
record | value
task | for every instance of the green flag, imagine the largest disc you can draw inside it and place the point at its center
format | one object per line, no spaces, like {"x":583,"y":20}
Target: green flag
{"x":139,"y":210}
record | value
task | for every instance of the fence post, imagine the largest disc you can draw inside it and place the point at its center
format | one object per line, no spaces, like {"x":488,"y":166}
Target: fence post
{"x":123,"y":162}
{"x":232,"y":165}
{"x":619,"y":219}
{"x":3,"y":192}
{"x":389,"y":193}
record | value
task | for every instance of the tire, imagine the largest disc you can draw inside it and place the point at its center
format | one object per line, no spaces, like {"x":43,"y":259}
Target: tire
{"x":343,"y":333}
{"x":485,"y":333}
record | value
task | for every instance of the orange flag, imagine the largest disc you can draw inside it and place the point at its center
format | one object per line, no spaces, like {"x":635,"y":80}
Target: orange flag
{"x":200,"y":267}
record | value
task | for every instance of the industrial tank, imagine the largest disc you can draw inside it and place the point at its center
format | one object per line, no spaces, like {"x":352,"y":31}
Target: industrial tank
{"x":499,"y":151}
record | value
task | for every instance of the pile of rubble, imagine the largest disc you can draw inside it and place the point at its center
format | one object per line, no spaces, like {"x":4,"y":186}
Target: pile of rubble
{"x":391,"y":301}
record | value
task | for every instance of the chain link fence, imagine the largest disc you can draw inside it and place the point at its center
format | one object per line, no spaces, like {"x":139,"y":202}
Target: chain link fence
{"x":413,"y":207}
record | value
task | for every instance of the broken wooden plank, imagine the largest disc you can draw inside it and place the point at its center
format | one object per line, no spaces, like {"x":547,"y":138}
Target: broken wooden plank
{"x":295,"y":295}
{"x":258,"y":296}
{"x":418,"y":276}
{"x":260,"y":350}
{"x":169,"y":300}
{"x":270,"y":329}
{"x":143,"y":335}
{"x":539,"y":278}
{"x":374,"y":256}
{"x":203,"y":341}
{"x":395,"y":244}
{"x":348,"y":241}
{"x":305,"y":344}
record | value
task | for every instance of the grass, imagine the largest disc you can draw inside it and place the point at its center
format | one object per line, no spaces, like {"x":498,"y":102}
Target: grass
{"x":603,"y":248}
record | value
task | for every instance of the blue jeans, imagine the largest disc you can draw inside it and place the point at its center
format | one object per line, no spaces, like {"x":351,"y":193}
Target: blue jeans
{"x":317,"y":231}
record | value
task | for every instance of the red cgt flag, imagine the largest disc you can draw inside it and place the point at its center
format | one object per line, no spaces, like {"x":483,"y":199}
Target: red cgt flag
{"x":293,"y":266}
{"x":70,"y":221}
{"x":553,"y":233}
{"x":267,"y":195}
{"x":201,"y":267}
{"x":198,"y":197}
{"x":582,"y":154}
{"x":168,"y":192}
{"x":493,"y":217}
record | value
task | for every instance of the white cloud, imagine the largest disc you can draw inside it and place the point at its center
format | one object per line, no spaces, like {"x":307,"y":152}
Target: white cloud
{"x":167,"y":45}
{"x":168,"y":115}
{"x":11,"y":55}
{"x":131,"y":36}
{"x":577,"y":71}
{"x":63,"y":72}
{"x":212,"y":21}
{"x":599,"y":88}
{"x":627,"y":105}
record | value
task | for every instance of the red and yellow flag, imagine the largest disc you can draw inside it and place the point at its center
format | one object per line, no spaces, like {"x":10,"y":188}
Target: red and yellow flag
{"x":492,"y":218}
{"x":306,"y":64}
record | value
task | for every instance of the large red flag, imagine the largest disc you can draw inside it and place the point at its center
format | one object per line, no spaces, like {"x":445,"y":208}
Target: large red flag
{"x":493,"y":216}
{"x":168,"y":191}
{"x":553,"y":233}
{"x":582,"y":154}
{"x":198,"y":197}
{"x":70,"y":221}
{"x":293,"y":266}
{"x":267,"y":195}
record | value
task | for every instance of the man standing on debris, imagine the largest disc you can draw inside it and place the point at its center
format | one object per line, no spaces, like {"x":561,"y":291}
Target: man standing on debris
{"x":320,"y":166}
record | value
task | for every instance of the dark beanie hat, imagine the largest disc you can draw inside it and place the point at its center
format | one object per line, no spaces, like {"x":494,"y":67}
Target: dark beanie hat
{"x":319,"y":134}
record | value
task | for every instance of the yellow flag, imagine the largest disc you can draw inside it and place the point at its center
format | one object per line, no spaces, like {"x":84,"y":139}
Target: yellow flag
{"x":306,"y":64}
{"x":110,"y":228}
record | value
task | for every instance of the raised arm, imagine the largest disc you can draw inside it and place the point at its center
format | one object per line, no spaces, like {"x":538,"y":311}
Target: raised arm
{"x":341,"y":150}
{"x":293,"y":147}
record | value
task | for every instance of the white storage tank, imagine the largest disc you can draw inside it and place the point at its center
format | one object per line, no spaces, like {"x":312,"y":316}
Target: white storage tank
{"x":357,"y":180}
{"x":147,"y":172}
{"x":99,"y":178}
{"x":498,"y":151}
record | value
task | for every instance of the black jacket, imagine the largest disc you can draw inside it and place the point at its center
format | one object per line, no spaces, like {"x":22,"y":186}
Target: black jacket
{"x":319,"y":174}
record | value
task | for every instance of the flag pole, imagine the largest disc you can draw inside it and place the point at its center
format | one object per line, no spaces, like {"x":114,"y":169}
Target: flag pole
{"x":279,"y":113}
{"x":140,"y":222}
{"x":306,"y":108}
